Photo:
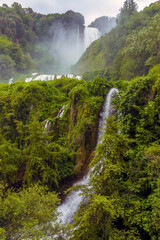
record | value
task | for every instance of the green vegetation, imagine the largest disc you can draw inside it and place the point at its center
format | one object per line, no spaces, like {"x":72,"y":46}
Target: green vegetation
{"x":48,"y":155}
{"x":128,"y":50}
{"x":26,"y":213}
{"x":26,"y":39}
{"x":48,"y":133}
{"x":122,"y":201}
{"x":34,"y":154}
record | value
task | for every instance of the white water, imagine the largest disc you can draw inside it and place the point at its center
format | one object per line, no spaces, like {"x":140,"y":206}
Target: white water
{"x":61,"y":111}
{"x":80,"y":45}
{"x":10,"y":81}
{"x":45,"y":77}
{"x":70,"y":206}
{"x":47,"y":125}
{"x":90,"y":35}
{"x":107,"y":111}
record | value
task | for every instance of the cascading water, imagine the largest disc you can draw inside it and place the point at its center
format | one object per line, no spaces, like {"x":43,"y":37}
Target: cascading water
{"x":107,"y":111}
{"x":10,"y":81}
{"x":61,"y":111}
{"x":48,"y":125}
{"x":90,"y":35}
{"x":69,"y":52}
{"x":45,"y":77}
{"x":70,"y":206}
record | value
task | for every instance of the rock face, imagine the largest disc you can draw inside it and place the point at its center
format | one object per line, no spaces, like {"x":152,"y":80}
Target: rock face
{"x":104,"y":24}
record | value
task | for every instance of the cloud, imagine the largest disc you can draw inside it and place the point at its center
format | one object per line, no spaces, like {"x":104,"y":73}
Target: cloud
{"x":91,"y":9}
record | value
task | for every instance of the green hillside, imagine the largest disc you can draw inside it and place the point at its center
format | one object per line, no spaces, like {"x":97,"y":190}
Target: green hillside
{"x":48,"y":134}
{"x":26,"y":39}
{"x":33,"y":152}
{"x":128,"y":50}
{"x":123,"y":199}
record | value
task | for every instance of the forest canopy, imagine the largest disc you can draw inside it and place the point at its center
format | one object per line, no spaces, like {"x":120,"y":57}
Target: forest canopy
{"x":128,"y":50}
{"x":26,"y":39}
{"x":49,"y":131}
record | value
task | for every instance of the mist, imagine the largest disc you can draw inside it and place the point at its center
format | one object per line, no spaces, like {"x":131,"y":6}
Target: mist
{"x":66,"y":47}
{"x":65,"y":43}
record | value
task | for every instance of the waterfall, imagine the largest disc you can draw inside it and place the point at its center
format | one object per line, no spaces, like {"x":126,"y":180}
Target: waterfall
{"x":106,"y":111}
{"x":68,"y":48}
{"x":45,"y":77}
{"x":70,"y":206}
{"x":79,"y":46}
{"x":10,"y":81}
{"x":48,"y":125}
{"x":90,"y":35}
{"x":61,"y":111}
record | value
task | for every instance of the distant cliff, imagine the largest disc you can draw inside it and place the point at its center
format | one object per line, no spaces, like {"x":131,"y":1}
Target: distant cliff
{"x":104,"y":24}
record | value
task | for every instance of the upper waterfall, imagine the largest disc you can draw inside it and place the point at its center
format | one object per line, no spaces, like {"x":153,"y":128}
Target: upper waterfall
{"x":66,"y":47}
{"x":90,"y":34}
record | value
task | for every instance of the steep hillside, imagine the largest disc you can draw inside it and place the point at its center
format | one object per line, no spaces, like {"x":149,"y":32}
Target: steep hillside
{"x":27,"y":39}
{"x":122,"y":200}
{"x":51,"y":126}
{"x":48,"y":131}
{"x":128,"y":50}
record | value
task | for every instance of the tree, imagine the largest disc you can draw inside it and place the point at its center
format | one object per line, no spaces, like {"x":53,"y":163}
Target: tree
{"x":41,"y":159}
{"x":141,"y":50}
{"x":102,"y":203}
{"x":128,"y":9}
{"x":109,"y":158}
{"x":27,"y":214}
{"x":18,"y":9}
{"x":7,"y":65}
{"x":10,"y":161}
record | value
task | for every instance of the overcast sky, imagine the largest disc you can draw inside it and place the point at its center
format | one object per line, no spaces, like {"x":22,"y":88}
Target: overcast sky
{"x":91,"y":9}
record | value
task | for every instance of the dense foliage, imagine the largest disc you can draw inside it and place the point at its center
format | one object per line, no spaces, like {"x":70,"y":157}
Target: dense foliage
{"x":26,"y":39}
{"x":122,"y":201}
{"x":128,"y":50}
{"x":28,"y":213}
{"x":47,"y":133}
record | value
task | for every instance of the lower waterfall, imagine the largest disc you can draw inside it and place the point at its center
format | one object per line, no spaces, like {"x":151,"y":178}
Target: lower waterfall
{"x":70,"y":205}
{"x":45,"y":77}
